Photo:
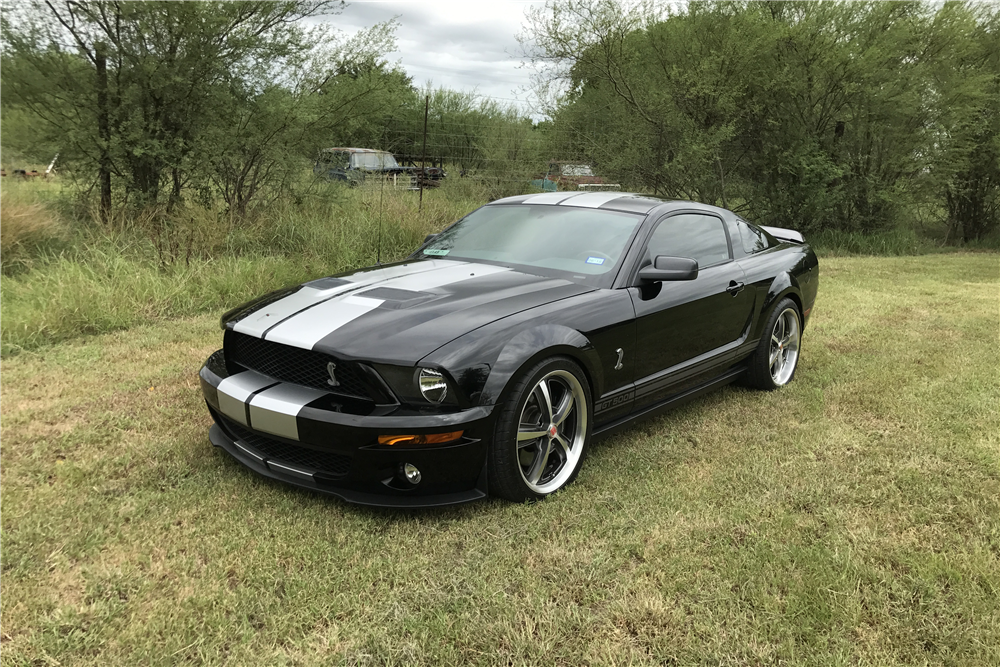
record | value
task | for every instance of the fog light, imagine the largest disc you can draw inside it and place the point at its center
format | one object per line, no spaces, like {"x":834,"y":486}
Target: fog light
{"x":411,"y":473}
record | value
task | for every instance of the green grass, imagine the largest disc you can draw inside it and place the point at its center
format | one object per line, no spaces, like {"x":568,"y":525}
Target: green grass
{"x":64,"y":275}
{"x":892,"y":242}
{"x":110,"y":279}
{"x":852,"y":518}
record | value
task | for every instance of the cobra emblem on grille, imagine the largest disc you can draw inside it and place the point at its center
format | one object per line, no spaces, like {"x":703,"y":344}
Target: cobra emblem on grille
{"x":331,"y":369}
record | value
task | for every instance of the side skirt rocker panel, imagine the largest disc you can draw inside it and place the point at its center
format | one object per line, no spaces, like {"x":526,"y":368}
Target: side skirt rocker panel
{"x":607,"y":430}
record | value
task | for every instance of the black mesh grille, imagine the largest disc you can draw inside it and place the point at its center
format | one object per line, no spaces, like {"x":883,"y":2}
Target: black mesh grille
{"x":295,"y":365}
{"x":330,"y":463}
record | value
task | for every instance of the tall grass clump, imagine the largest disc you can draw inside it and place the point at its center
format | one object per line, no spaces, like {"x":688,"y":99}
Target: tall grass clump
{"x":195,"y":260}
{"x":29,"y":223}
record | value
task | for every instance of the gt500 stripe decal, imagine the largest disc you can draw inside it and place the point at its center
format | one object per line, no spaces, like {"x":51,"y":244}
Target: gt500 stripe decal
{"x":236,"y":389}
{"x":256,"y":324}
{"x":314,"y":323}
{"x":376,"y":275}
{"x":448,"y":276}
{"x":305,"y":329}
{"x":275,"y":410}
{"x":272,"y":406}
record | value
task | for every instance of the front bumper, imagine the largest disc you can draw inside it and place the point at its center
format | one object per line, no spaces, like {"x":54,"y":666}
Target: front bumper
{"x":326,"y":443}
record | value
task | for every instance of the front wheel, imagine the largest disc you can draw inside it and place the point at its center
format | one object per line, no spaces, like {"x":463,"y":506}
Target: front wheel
{"x":773,"y":364}
{"x":542,"y":432}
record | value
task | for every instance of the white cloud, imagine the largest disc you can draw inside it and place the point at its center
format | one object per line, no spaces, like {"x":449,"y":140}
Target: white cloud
{"x":466,"y":46}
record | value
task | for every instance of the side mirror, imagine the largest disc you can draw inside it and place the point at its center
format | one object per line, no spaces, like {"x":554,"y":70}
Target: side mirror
{"x":429,"y":238}
{"x":669,"y":268}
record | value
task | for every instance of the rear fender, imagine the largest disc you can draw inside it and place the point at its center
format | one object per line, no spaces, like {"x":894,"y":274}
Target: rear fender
{"x":784,"y":284}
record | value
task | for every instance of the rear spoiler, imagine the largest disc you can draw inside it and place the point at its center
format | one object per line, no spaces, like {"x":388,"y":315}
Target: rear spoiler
{"x":784,"y":234}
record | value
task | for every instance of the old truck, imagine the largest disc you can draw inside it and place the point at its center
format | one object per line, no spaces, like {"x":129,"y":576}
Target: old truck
{"x":356,"y":165}
{"x":572,"y":176}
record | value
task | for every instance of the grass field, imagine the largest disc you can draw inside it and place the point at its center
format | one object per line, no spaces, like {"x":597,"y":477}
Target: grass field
{"x":64,"y":277}
{"x":852,"y":518}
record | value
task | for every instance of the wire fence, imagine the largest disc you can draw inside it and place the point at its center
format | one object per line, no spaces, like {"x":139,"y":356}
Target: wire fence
{"x":500,"y":153}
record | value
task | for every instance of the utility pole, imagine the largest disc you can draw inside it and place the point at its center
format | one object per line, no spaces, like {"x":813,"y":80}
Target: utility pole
{"x":423,"y":155}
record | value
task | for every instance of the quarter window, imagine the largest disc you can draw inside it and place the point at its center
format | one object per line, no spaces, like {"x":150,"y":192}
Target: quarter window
{"x":754,"y":239}
{"x":699,"y":237}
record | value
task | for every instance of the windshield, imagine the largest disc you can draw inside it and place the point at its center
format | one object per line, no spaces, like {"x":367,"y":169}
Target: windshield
{"x":374,"y":161}
{"x":580,"y":244}
{"x":577,"y":170}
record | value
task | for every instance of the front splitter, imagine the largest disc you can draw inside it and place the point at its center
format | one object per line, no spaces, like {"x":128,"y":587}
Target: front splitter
{"x":223,"y":441}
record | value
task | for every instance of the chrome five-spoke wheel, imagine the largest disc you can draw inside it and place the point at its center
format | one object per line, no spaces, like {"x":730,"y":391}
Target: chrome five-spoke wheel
{"x":551,"y":432}
{"x":773,"y":363}
{"x":784,"y":349}
{"x":542,"y":430}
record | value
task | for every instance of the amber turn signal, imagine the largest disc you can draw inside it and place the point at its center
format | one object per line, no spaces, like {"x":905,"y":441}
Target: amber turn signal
{"x":425,"y":439}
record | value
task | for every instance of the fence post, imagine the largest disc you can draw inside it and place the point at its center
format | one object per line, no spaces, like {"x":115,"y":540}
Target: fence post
{"x":103,"y":130}
{"x":423,"y":155}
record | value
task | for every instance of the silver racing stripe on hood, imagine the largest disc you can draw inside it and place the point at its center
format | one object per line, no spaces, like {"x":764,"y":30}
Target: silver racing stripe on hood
{"x":310,"y":326}
{"x":257,"y":323}
{"x":313,"y":324}
{"x":448,"y":276}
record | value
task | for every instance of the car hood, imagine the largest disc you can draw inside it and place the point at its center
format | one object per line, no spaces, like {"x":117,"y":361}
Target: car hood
{"x":397,"y":313}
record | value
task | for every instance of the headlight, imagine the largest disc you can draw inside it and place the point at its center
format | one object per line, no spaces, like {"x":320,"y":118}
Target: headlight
{"x":432,"y":385}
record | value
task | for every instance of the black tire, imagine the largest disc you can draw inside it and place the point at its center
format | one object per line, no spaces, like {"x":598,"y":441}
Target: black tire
{"x":760,"y":372}
{"x":511,"y":467}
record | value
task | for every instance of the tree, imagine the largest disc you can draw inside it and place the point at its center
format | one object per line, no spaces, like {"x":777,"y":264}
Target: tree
{"x":131,"y":87}
{"x":972,"y":186}
{"x":832,"y":115}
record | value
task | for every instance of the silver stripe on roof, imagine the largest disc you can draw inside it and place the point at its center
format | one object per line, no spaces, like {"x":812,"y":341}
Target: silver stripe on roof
{"x":592,"y":199}
{"x":550,"y":197}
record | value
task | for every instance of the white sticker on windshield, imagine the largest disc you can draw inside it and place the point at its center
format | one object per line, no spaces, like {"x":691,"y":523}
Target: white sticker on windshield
{"x":590,"y":260}
{"x":437,"y":252}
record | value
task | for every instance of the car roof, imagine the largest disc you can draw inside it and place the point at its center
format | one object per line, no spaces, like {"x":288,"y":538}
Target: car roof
{"x":630,"y":202}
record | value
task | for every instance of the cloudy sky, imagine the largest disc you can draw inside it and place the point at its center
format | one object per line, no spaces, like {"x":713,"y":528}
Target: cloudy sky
{"x":468,"y":46}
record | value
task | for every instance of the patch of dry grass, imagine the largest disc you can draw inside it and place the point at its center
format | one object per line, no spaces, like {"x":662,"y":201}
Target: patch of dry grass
{"x":27,"y":222}
{"x":850,"y":518}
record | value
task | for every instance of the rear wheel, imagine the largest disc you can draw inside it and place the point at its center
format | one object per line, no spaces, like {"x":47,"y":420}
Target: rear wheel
{"x":773,"y":364}
{"x":540,"y":438}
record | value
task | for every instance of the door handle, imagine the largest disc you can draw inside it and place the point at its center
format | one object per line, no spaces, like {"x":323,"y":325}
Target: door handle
{"x":734,"y":287}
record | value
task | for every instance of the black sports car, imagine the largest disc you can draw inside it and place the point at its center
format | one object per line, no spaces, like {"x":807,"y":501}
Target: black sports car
{"x":487,"y":361}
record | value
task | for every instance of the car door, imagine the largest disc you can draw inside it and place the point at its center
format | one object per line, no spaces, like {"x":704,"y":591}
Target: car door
{"x":686,"y":331}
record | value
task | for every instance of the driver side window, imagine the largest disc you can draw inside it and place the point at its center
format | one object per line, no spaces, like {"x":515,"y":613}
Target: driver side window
{"x":700,"y":237}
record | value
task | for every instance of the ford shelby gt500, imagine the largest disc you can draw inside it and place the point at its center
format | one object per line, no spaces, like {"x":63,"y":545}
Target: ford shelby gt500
{"x":489,"y":360}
